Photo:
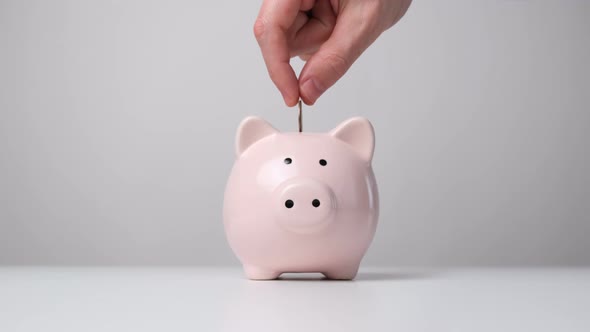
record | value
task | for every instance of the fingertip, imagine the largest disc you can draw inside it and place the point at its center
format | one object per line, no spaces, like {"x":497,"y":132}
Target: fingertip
{"x":284,"y":78}
{"x":290,"y":102}
{"x":307,"y":102}
{"x":291,"y":99}
{"x":311,"y":90}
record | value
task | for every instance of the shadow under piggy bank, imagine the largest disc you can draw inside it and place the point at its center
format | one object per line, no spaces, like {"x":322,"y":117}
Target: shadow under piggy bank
{"x":362,"y":276}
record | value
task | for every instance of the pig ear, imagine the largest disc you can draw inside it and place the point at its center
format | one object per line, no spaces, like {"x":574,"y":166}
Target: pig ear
{"x":359,"y":134}
{"x":251,"y":130}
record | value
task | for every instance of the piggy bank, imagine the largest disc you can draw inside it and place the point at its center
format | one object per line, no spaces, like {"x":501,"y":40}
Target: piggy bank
{"x":301,"y":202}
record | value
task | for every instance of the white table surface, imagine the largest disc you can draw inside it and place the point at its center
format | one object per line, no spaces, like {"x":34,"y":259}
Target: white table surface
{"x":220,"y":299}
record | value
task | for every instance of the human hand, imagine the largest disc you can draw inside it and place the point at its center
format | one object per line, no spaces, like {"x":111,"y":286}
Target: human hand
{"x":328,"y":34}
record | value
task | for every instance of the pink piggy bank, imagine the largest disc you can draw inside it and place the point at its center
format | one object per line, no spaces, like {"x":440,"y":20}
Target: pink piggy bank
{"x":301,"y":202}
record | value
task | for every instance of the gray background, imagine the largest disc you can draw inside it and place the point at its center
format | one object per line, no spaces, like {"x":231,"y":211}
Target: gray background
{"x":117,"y":121}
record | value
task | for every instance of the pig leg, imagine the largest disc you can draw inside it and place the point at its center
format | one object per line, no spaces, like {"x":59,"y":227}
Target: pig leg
{"x":342,"y":272}
{"x":256,"y":273}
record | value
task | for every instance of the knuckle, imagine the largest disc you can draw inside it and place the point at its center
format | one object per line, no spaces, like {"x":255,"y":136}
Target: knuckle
{"x":259,"y":28}
{"x":274,"y":76}
{"x":372,"y":21}
{"x":337,"y":63}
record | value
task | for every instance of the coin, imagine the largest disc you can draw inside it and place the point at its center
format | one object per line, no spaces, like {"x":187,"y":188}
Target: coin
{"x":300,"y":118}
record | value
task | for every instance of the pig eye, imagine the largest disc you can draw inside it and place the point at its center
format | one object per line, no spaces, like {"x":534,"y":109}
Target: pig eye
{"x":323,"y":162}
{"x":288,"y":161}
{"x":289,"y":204}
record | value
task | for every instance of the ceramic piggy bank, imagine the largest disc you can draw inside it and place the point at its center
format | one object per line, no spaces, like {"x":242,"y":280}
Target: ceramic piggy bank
{"x":301,"y":202}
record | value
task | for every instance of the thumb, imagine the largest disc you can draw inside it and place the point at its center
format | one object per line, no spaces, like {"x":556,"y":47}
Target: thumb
{"x":351,"y":36}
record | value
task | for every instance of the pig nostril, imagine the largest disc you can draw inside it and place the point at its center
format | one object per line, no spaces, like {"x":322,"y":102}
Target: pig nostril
{"x":315,"y":202}
{"x":289,"y":204}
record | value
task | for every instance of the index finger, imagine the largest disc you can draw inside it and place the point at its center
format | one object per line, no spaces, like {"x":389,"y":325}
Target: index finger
{"x":270,"y":29}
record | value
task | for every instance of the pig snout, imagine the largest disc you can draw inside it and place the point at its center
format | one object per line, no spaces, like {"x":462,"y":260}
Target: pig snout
{"x":304,"y":205}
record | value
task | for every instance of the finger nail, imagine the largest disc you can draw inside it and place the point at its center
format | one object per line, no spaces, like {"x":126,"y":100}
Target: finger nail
{"x":311,"y":91}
